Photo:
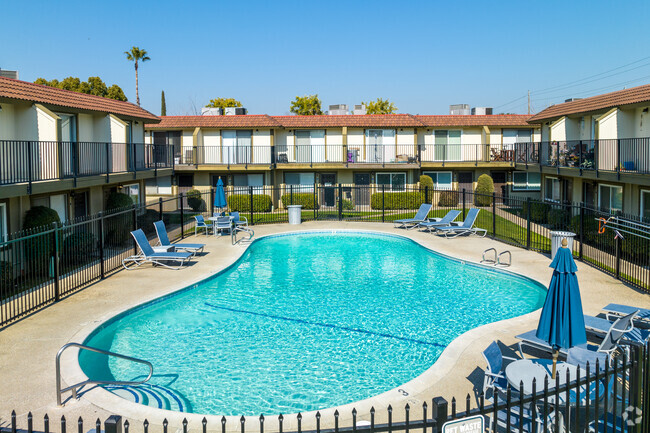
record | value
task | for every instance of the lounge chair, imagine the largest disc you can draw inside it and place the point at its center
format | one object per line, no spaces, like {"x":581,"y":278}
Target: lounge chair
{"x":494,"y":377}
{"x":201,"y":224}
{"x":239,"y":220}
{"x":148,"y":255}
{"x":631,"y":335}
{"x":439,"y":222}
{"x":163,"y":239}
{"x":419,"y":217}
{"x":467,"y":228}
{"x":614,"y":311}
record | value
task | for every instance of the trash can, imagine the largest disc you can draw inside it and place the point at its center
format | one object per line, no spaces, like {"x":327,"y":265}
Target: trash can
{"x":295,"y":216}
{"x":556,"y":241}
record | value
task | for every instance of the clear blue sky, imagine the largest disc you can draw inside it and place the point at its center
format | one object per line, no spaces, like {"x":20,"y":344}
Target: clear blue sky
{"x":422,"y":55}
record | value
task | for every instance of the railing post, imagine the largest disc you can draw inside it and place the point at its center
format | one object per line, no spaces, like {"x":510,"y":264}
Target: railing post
{"x":182,"y":217}
{"x":291,"y":193}
{"x":420,"y":155}
{"x":102,"y":271}
{"x":383,"y":203}
{"x":57,"y":268}
{"x":211,"y":204}
{"x":426,"y":194}
{"x":618,"y":257}
{"x":464,"y":203}
{"x":59,"y":162}
{"x":113,"y":424}
{"x":439,"y":410}
{"x":528,"y":201}
{"x":160,"y":208}
{"x":250,"y":191}
{"x":618,"y":158}
{"x":135,"y":164}
{"x":29,"y":167}
{"x":494,"y":215}
{"x":340,"y":202}
{"x":134,"y":227}
{"x":273,"y":161}
{"x":582,"y":229}
{"x":108,"y":161}
{"x":75,"y":161}
{"x":154,"y":158}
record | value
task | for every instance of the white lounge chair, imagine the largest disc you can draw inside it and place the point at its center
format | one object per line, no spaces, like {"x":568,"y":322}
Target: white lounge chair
{"x":148,"y":255}
{"x":613,"y":311}
{"x":419,"y":217}
{"x":163,"y":240}
{"x":467,"y":228}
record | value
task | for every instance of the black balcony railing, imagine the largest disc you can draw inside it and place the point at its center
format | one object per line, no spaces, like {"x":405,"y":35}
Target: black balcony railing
{"x":34,"y":161}
{"x":626,"y":155}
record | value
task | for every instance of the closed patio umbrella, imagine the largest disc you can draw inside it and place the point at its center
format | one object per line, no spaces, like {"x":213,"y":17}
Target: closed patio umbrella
{"x":220,"y":195}
{"x":562,"y":322}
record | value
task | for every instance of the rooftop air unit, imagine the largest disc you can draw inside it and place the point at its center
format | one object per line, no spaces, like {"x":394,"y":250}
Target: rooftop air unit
{"x":459,"y":109}
{"x":235,"y":111}
{"x":9,"y":74}
{"x":481,"y":111}
{"x":359,"y":109}
{"x":211,"y":111}
{"x":572,"y":99}
{"x":338,"y":109}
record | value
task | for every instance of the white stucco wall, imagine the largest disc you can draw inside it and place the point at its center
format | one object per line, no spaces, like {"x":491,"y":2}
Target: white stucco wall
{"x":210,"y":146}
{"x":558,"y":130}
{"x":608,"y":125}
{"x":625,"y":124}
{"x":7,"y":122}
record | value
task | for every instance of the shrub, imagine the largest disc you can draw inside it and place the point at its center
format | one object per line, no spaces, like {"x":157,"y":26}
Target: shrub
{"x":557,"y":219}
{"x":146,"y":220}
{"x":348,"y":205}
{"x":538,"y":211}
{"x":195,"y":200}
{"x":118,"y":200}
{"x":448,"y":198}
{"x":38,"y":249}
{"x":78,"y":248}
{"x":242,"y":202}
{"x":426,"y":181}
{"x":40,"y":216}
{"x":6,"y":276}
{"x":484,"y":190}
{"x":397,"y":200}
{"x":306,"y":199}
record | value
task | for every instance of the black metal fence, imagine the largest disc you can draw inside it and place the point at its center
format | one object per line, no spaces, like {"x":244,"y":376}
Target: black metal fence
{"x":597,"y":398}
{"x":41,"y":266}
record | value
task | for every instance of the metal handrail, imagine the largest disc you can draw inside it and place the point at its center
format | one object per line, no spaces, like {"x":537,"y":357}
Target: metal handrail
{"x":233,"y":234}
{"x":509,"y":258}
{"x":484,"y":260}
{"x":74,"y":387}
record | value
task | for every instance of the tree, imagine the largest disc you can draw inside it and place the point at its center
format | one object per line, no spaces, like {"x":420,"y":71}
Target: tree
{"x":163,"y":104}
{"x":94,"y":86}
{"x":135,"y":55}
{"x":307,"y":105}
{"x":223,"y":103}
{"x":380,"y":106}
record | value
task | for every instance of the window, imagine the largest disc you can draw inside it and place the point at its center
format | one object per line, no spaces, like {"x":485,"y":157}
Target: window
{"x":133,"y":191}
{"x":512,"y":136}
{"x":447,"y":145}
{"x":241,"y":182}
{"x":441,"y":179}
{"x":524,"y":181}
{"x":3,"y":222}
{"x":552,"y":189}
{"x":305,"y":181}
{"x":380,"y":145}
{"x":610,"y":197}
{"x":159,"y":185}
{"x":58,"y":202}
{"x":310,"y":145}
{"x":237,"y":146}
{"x":645,"y":205}
{"x":395,"y":181}
{"x":169,"y":138}
{"x":67,"y":127}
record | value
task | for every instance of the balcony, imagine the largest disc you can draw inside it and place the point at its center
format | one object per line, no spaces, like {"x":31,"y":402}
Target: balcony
{"x":350,"y":155}
{"x":36,"y":161}
{"x":628,"y":155}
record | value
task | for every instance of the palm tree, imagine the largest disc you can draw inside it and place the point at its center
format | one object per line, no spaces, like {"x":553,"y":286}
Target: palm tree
{"x":134,"y":55}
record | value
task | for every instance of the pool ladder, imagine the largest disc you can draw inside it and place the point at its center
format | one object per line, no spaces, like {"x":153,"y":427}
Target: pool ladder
{"x":242,"y":241}
{"x":497,"y":258}
{"x":77,"y":386}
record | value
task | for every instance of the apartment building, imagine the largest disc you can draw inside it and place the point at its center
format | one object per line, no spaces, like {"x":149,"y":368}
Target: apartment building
{"x":595,"y":150}
{"x":68,"y":151}
{"x":389,"y":150}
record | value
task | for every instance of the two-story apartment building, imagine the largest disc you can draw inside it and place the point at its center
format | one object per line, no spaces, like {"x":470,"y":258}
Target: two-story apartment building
{"x":595,"y":150}
{"x":390,"y":150}
{"x":67,"y":151}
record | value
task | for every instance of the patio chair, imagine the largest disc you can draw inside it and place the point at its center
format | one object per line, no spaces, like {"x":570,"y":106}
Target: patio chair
{"x":630,"y":334}
{"x":467,"y":228}
{"x":163,"y":240}
{"x":222,"y":223}
{"x":201,"y":224}
{"x":238,"y":220}
{"x":148,"y":255}
{"x":419,"y":217}
{"x":614,"y":311}
{"x":494,"y":377}
{"x":439,"y":222}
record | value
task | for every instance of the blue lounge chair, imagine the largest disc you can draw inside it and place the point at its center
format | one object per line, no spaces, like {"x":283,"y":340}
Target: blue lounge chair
{"x":467,"y":228}
{"x":201,"y":224}
{"x":419,"y":217}
{"x":494,"y":377}
{"x":613,"y":311}
{"x":238,"y":220}
{"x":148,"y":255}
{"x":440,"y":222}
{"x":223,"y":223}
{"x":163,"y":239}
{"x":631,"y":335}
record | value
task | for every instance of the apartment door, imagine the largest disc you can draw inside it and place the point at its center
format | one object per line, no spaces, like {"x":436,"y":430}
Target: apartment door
{"x":465,"y":181}
{"x":374,"y":145}
{"x":80,"y":204}
{"x":303,"y":146}
{"x":328,"y":181}
{"x":362,"y":189}
{"x":500,"y":179}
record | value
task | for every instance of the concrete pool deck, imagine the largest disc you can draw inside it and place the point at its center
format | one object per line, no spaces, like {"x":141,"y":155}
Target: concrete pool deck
{"x":30,"y":345}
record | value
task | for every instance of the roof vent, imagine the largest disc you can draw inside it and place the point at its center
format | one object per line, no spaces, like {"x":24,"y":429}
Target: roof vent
{"x":482,"y":111}
{"x":572,"y":99}
{"x":236,"y":111}
{"x":211,"y":111}
{"x":9,"y":74}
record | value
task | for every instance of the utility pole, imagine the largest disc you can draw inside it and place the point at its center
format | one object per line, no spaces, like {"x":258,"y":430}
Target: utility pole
{"x":529,"y":102}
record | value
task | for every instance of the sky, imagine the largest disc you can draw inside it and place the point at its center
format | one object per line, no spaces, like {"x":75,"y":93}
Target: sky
{"x":421,"y":55}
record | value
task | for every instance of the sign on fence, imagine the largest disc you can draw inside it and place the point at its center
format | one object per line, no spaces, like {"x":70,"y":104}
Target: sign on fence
{"x":472,"y":424}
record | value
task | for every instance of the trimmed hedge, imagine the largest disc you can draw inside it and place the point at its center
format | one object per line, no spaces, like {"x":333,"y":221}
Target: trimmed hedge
{"x":558,"y":219}
{"x":78,"y":248}
{"x":6,"y":276}
{"x":40,"y":216}
{"x":195,"y":200}
{"x":242,"y":202}
{"x":118,"y":200}
{"x":539,"y":212}
{"x":448,"y":198}
{"x":38,"y":250}
{"x":484,"y":190}
{"x":306,"y":199}
{"x":397,"y":200}
{"x":348,"y":205}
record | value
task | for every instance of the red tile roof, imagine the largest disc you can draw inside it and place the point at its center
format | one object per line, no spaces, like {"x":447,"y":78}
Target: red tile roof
{"x":235,"y":121}
{"x":26,"y":91}
{"x":353,"y":121}
{"x":608,"y":100}
{"x":475,"y":120}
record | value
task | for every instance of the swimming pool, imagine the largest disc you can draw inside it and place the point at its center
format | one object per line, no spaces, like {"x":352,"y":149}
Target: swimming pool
{"x":303,"y":322}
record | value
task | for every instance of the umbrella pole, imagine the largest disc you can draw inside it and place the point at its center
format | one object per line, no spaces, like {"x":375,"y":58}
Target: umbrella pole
{"x":555,"y":352}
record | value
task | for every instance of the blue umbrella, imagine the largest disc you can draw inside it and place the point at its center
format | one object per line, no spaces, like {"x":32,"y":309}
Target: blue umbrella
{"x":220,"y":195}
{"x":562,"y":323}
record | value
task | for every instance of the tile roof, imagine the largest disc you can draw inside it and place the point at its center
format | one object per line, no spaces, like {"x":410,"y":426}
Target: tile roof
{"x":26,"y":91}
{"x":475,"y":120}
{"x":354,"y":121}
{"x":599,"y":102}
{"x":234,"y":121}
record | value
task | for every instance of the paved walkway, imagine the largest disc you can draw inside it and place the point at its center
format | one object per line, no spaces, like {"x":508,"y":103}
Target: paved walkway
{"x":30,"y":345}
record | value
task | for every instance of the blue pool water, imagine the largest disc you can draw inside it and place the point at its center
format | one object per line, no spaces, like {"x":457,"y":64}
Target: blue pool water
{"x":303,"y":322}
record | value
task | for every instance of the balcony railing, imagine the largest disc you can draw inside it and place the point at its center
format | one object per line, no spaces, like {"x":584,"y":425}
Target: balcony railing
{"x":34,"y":161}
{"x":627,"y":155}
{"x":348,"y":155}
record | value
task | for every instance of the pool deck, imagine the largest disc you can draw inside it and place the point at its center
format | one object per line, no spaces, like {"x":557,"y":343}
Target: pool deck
{"x":28,"y":347}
